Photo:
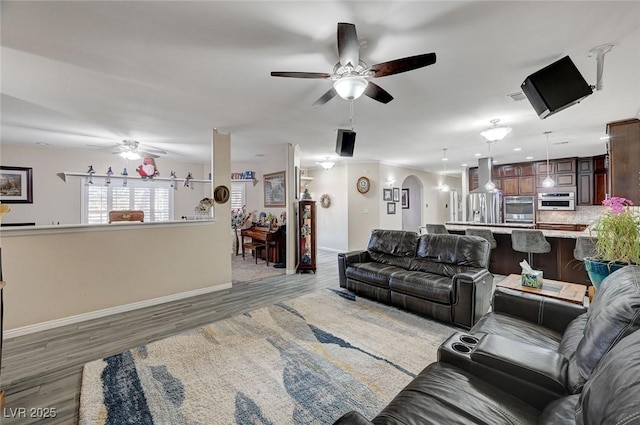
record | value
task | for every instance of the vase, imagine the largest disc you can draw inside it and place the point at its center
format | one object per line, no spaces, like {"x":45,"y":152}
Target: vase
{"x":598,"y":270}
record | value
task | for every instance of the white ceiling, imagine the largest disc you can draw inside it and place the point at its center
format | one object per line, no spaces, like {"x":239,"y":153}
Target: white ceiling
{"x":166,"y":73}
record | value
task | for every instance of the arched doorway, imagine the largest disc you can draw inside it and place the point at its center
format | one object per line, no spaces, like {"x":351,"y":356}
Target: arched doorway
{"x":411,"y":203}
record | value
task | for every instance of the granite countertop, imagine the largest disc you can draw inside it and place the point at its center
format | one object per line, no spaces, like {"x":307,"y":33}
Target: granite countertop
{"x":506,"y":228}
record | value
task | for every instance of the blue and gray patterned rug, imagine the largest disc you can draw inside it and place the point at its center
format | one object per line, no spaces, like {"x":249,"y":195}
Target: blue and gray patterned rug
{"x":304,"y":361}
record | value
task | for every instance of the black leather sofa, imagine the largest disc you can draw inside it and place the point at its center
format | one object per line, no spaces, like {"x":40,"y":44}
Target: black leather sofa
{"x":521,"y":365}
{"x":441,"y":276}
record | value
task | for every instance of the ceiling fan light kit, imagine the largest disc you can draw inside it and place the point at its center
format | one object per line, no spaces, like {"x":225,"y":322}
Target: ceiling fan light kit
{"x":350,"y":87}
{"x":130,"y":155}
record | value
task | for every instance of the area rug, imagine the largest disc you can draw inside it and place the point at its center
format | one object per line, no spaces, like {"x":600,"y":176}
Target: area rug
{"x":304,"y":361}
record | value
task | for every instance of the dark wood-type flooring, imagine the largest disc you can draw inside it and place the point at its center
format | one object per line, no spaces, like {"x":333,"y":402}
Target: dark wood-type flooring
{"x":44,"y":369}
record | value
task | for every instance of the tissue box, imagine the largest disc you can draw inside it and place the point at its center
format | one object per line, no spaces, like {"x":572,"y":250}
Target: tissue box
{"x":532,"y":280}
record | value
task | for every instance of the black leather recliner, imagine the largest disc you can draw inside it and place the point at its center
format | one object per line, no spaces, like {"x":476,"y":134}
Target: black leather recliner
{"x":528,"y":360}
{"x":444,"y":394}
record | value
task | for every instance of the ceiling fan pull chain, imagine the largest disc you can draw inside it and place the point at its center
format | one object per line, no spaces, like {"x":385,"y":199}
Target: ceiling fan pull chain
{"x":351,"y":114}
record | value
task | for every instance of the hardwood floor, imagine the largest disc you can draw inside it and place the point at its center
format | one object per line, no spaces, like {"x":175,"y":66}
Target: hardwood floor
{"x":44,"y":369}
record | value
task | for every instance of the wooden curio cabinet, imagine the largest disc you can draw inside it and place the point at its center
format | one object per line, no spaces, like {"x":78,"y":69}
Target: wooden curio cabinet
{"x":307,"y":235}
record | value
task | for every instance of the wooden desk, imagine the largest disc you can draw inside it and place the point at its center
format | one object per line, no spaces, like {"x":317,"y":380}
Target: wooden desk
{"x":571,"y":292}
{"x":273,"y":239}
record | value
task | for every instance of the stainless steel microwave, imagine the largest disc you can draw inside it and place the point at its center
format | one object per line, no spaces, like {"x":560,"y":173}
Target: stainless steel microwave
{"x":561,"y":201}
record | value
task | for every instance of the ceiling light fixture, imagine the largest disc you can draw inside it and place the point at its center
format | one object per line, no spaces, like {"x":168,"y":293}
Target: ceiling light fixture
{"x":350,"y":87}
{"x":548,"y":181}
{"x":326,"y":164}
{"x":495,"y":132}
{"x":444,"y":187}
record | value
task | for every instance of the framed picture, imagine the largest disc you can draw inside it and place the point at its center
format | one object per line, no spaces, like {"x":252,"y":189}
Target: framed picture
{"x":396,"y":194}
{"x":405,"y":198}
{"x":386,"y":195}
{"x":391,"y":207}
{"x":16,"y":185}
{"x":275,"y":190}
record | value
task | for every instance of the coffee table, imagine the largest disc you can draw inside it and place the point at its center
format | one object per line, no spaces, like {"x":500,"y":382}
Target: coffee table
{"x":571,"y":292}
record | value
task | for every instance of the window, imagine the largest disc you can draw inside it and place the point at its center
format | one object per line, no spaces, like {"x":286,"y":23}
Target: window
{"x":238,"y":197}
{"x":155,"y":198}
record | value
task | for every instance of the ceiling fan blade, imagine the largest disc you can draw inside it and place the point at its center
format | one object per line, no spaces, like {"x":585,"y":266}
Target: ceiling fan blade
{"x":301,"y":74}
{"x":348,"y":47}
{"x":152,"y":150}
{"x":326,"y":97}
{"x":403,"y":65}
{"x":147,"y":154}
{"x":376,"y":92}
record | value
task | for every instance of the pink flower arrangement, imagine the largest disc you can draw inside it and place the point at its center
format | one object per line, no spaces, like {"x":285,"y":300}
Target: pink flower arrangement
{"x":617,"y":204}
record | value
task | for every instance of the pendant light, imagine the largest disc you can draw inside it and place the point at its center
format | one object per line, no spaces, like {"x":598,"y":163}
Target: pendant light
{"x":548,"y":181}
{"x":490,"y":186}
{"x":444,"y":187}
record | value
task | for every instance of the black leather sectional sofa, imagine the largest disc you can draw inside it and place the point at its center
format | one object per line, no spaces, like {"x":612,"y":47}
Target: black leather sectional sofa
{"x":441,"y":275}
{"x":533,"y":360}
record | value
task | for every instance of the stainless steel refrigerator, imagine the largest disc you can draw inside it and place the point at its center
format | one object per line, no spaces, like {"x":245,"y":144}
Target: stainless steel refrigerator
{"x":485,"y":207}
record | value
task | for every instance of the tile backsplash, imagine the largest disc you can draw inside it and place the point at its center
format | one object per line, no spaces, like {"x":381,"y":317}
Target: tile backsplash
{"x":586,"y":214}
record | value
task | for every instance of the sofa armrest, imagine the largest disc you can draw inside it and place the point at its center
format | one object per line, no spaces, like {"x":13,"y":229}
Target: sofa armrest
{"x":549,"y":312}
{"x":353,"y":418}
{"x":472,"y":296}
{"x":535,"y":365}
{"x":346,"y":258}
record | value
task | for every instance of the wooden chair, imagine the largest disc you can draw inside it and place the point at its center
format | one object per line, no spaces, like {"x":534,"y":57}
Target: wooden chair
{"x":126,"y":215}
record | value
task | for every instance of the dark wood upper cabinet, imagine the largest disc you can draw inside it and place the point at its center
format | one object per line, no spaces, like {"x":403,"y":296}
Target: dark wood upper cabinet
{"x":541,"y":167}
{"x":526,"y":185}
{"x":565,"y":165}
{"x":509,"y":170}
{"x":527,"y":169}
{"x":624,"y":159}
{"x":510,"y":186}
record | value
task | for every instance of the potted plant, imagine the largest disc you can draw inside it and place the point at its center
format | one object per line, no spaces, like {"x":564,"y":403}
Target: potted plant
{"x":618,"y":239}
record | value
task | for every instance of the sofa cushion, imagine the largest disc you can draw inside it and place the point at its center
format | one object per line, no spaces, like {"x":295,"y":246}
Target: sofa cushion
{"x":444,"y":394}
{"x":561,"y":411}
{"x":612,"y":393}
{"x":613,"y":314}
{"x":395,"y":242}
{"x":423,"y":285}
{"x":377,"y":274}
{"x":517,"y":329}
{"x":393,"y":247}
{"x":573,"y":335}
{"x":448,"y":255}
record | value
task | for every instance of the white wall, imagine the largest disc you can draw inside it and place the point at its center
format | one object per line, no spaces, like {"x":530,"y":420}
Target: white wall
{"x":332,"y":223}
{"x":59,"y":202}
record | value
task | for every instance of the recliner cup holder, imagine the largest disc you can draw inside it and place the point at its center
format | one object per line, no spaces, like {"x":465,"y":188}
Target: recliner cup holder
{"x":468,"y":339}
{"x":461,"y":348}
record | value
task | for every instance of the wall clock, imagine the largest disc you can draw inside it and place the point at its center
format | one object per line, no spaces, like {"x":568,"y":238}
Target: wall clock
{"x":363,"y":185}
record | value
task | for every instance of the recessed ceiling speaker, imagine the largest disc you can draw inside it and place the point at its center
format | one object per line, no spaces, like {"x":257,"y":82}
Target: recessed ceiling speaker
{"x":555,"y":87}
{"x":346,"y":142}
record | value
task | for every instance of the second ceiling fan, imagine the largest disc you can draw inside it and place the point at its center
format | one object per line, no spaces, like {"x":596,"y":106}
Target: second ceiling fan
{"x":351,"y":75}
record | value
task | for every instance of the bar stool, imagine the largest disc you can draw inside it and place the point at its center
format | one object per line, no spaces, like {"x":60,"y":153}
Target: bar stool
{"x":585,"y":247}
{"x":530,"y":241}
{"x":434,"y":229}
{"x":483,"y":233}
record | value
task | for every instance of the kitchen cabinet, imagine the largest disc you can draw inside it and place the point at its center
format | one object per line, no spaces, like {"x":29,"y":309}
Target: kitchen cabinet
{"x":510,"y":186}
{"x":565,"y":165}
{"x":624,"y":166}
{"x":584,"y":181}
{"x":526,"y":185}
{"x":600,"y":177}
{"x":473,"y":178}
{"x":527,"y":169}
{"x":541,"y":168}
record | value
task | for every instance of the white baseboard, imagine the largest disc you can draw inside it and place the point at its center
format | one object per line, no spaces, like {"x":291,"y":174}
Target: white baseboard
{"x":25,"y":330}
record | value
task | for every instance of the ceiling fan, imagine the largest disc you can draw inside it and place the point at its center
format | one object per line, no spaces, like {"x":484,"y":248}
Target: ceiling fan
{"x":132,"y":150}
{"x":351,"y":75}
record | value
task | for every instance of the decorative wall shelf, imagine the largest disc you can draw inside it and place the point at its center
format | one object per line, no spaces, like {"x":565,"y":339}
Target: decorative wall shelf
{"x":66,"y":174}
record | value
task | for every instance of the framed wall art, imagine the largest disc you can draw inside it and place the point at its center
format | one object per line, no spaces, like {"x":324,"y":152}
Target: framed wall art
{"x":396,"y":194}
{"x":275,"y":190}
{"x":387,"y":195}
{"x":16,"y":185}
{"x":405,"y":198}
{"x":391,"y":207}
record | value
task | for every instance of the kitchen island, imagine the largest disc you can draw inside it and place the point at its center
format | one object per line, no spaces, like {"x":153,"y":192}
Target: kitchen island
{"x":558,"y":264}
